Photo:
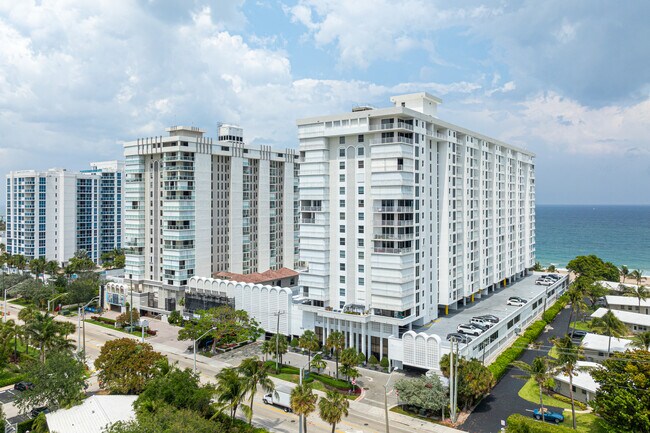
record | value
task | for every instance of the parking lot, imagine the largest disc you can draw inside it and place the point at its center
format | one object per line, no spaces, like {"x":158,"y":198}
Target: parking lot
{"x":7,"y":396}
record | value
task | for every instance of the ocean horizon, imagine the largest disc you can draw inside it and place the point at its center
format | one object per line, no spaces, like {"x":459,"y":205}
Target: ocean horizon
{"x":616,"y":233}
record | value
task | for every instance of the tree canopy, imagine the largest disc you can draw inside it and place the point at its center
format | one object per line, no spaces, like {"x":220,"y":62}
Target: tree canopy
{"x":623,"y":398}
{"x":474,"y":380}
{"x":594,"y":267}
{"x":422,"y":392}
{"x":126,"y":365}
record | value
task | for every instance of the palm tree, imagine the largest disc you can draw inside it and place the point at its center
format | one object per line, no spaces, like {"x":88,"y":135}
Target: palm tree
{"x":309,"y":342}
{"x":230,"y":390}
{"x":303,"y":402}
{"x":642,"y":341}
{"x":254,"y":373}
{"x":318,"y":363}
{"x":624,"y":271}
{"x":637,"y":274}
{"x":267,"y":349}
{"x":37,"y":267}
{"x":639,"y":292}
{"x":18,"y":261}
{"x":332,"y":408}
{"x":576,"y":298}
{"x":52,"y":268}
{"x":47,"y":333}
{"x":539,"y":370}
{"x":567,"y":363}
{"x":609,"y":325}
{"x":336,"y":341}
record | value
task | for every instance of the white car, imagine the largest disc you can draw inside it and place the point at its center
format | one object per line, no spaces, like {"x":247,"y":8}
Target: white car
{"x":516,"y":301}
{"x":481,"y":321}
{"x":544,"y":281}
{"x":470,"y":328}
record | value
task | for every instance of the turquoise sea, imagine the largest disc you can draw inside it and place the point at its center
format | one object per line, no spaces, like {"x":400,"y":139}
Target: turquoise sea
{"x":619,"y":234}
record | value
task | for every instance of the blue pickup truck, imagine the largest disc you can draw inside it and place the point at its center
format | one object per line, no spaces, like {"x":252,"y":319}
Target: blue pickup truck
{"x":549,"y":416}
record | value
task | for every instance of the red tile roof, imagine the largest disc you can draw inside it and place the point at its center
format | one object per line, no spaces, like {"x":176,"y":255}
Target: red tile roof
{"x":257,"y":277}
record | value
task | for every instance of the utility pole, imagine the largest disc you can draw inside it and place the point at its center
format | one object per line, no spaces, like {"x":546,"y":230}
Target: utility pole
{"x":131,"y":304}
{"x":452,"y":406}
{"x":456,"y":384}
{"x":277,"y":339}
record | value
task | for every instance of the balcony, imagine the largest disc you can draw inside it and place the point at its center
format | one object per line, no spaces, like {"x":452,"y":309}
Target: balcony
{"x":311,"y":208}
{"x":395,"y":223}
{"x":308,"y":221}
{"x":394,"y":236}
{"x":391,"y":140}
{"x":176,"y":157}
{"x":404,"y":250}
{"x":393,"y":209}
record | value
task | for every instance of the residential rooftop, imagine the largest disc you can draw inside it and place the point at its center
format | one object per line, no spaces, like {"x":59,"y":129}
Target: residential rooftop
{"x":599,"y":343}
{"x":625,"y":316}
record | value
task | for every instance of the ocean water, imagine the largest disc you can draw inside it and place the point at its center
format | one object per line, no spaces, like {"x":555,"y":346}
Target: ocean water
{"x":619,"y":234}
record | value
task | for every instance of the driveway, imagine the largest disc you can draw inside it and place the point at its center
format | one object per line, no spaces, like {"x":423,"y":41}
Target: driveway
{"x":503,"y":401}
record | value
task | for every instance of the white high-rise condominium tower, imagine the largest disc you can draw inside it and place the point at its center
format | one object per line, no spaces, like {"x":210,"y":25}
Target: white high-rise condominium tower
{"x":197,"y":207}
{"x":404,"y":216}
{"x":55,"y":213}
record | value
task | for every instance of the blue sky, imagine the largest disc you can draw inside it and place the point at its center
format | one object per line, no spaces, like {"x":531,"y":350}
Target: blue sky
{"x":567,"y":80}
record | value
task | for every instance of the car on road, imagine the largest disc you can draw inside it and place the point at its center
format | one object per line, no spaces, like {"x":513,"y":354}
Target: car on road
{"x":555,"y":417}
{"x":461,"y":338}
{"x":481,"y":321}
{"x":516,"y":301}
{"x":23,"y":386}
{"x":471,"y":329}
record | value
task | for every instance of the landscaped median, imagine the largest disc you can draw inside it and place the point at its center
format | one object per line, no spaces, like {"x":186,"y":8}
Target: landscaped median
{"x":503,"y":361}
{"x":319,"y":382}
{"x":587,"y":423}
{"x":105,"y":322}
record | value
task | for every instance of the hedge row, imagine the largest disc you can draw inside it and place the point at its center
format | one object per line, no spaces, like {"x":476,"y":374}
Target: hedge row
{"x":25,"y":426}
{"x":503,"y":361}
{"x":103,"y":320}
{"x":517,"y":423}
{"x":12,"y":379}
{"x":326,"y":380}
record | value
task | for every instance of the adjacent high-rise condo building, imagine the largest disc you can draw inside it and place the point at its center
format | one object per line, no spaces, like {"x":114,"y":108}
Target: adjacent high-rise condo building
{"x":405,"y":216}
{"x":55,"y":213}
{"x":195,"y":206}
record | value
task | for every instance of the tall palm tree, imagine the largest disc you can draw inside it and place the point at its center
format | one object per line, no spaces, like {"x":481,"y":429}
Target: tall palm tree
{"x":642,"y":341}
{"x":539,"y":370}
{"x":318,"y":363}
{"x":230,"y":390}
{"x":624,"y":271}
{"x":267,"y":349}
{"x":332,"y":408}
{"x":609,"y":325}
{"x":567,"y":363}
{"x":336,"y":341}
{"x":641,"y":293}
{"x":637,"y":274}
{"x":576,"y":298}
{"x":52,"y":268}
{"x":254,"y":373}
{"x":303,"y":402}
{"x":18,"y":261}
{"x":37,"y":267}
{"x":47,"y":333}
{"x":309,"y":342}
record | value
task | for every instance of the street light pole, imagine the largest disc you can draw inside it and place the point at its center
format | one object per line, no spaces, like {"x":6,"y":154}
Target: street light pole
{"x":277,"y":340}
{"x":204,"y":334}
{"x":386,"y":399}
{"x":83,"y":311}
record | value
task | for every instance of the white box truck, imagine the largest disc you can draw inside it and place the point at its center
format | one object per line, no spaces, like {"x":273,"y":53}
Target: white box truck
{"x":281,"y":397}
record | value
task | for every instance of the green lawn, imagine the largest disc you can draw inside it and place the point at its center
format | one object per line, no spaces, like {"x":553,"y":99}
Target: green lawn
{"x":398,"y":409}
{"x":530,"y":392}
{"x":20,"y":301}
{"x":581,"y":325}
{"x":317,"y":385}
{"x":585,"y":422}
{"x":106,"y":325}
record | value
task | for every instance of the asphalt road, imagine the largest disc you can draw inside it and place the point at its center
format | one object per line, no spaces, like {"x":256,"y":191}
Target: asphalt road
{"x":504,"y":400}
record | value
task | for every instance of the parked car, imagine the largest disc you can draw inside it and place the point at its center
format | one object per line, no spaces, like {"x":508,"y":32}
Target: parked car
{"x":480,"y":321}
{"x":23,"y":386}
{"x":516,"y":301}
{"x":470,"y":328}
{"x":490,"y":318}
{"x":544,"y":281}
{"x":578,"y":334}
{"x":461,"y":338}
{"x":38,"y":410}
{"x":549,"y":416}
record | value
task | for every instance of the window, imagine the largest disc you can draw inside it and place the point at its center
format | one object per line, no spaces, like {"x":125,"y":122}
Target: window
{"x":341,"y":266}
{"x":342,"y":141}
{"x":360,"y":151}
{"x":360,"y":242}
{"x":361,"y":216}
{"x":360,"y":140}
{"x":342,"y":165}
{"x":361,"y":190}
{"x":341,"y":228}
{"x":341,"y":178}
{"x":341,"y":304}
{"x":342,"y":215}
{"x":361,"y":281}
{"x":342,"y":279}
{"x":361,"y":255}
{"x":341,"y":203}
{"x":360,"y":203}
{"x":342,"y":190}
{"x":341,"y":241}
{"x":361,"y":268}
{"x":360,"y":164}
{"x":342,"y":254}
{"x":360,"y":229}
{"x":341,"y":292}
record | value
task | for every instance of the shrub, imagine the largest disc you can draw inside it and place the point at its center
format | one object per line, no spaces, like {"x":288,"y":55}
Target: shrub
{"x":522,"y":424}
{"x":384,"y":362}
{"x":25,"y":426}
{"x":175,"y":318}
{"x":373,"y":360}
{"x":555,"y":309}
{"x":12,"y":379}
{"x":333,"y":382}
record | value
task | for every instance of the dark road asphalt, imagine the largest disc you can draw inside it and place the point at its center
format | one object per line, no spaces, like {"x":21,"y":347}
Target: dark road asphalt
{"x":503,"y":401}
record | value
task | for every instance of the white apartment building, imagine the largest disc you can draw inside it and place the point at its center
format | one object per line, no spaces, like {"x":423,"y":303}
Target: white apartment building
{"x":405,"y":216}
{"x":195,"y":206}
{"x":55,"y":213}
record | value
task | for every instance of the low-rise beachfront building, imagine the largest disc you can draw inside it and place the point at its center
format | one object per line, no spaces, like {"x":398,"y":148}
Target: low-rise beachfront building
{"x":628,"y":303}
{"x":595,"y":346}
{"x":635,"y":321}
{"x":584,"y":385}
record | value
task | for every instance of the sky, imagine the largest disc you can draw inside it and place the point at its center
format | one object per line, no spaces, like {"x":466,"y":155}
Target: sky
{"x":569,"y":81}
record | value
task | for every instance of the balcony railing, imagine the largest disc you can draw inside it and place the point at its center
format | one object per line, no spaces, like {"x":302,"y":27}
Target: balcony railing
{"x":399,"y":237}
{"x":399,"y":223}
{"x":311,"y":208}
{"x":393,"y":209}
{"x":392,"y":250}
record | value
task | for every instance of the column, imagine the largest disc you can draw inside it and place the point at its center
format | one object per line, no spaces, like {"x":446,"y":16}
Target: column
{"x":350,"y":334}
{"x":363,"y":338}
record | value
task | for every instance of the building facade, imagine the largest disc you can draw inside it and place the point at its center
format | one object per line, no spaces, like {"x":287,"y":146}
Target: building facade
{"x":405,"y":216}
{"x":55,"y":213}
{"x":195,"y":206}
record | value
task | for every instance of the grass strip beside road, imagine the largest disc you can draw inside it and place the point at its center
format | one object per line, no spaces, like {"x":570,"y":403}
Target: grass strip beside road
{"x":107,"y":326}
{"x":530,"y":392}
